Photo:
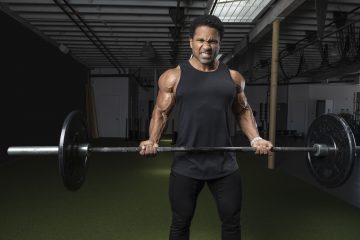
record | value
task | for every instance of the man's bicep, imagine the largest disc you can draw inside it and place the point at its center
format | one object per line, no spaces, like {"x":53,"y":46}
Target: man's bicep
{"x":164,"y":101}
{"x":239,"y":105}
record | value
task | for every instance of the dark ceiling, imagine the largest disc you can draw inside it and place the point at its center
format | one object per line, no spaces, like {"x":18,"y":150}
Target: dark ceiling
{"x":139,"y":36}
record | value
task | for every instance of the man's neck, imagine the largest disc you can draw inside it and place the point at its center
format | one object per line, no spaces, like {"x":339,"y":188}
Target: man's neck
{"x":204,"y":67}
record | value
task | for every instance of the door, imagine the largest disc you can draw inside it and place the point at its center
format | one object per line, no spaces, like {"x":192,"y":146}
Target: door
{"x":109,"y":116}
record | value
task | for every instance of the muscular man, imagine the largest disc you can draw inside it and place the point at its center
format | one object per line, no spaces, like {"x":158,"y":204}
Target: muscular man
{"x":205,"y":91}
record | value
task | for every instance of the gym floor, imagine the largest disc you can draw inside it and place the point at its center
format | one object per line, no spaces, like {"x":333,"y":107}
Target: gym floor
{"x":125,"y":197}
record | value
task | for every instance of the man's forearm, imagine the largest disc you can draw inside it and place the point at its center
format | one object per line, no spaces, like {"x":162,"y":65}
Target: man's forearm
{"x":248,"y":124}
{"x":157,"y":125}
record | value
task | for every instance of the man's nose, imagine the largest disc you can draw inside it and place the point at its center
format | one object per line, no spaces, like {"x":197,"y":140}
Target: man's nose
{"x":206,"y":45}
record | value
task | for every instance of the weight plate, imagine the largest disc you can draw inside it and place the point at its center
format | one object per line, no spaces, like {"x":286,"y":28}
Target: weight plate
{"x":353,"y":125}
{"x":332,"y":170}
{"x":73,"y":164}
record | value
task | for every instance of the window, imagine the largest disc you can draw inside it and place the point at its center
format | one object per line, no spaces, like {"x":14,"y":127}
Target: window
{"x":239,"y":10}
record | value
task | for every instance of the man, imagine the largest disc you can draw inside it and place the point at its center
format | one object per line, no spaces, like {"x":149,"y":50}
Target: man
{"x":205,"y":91}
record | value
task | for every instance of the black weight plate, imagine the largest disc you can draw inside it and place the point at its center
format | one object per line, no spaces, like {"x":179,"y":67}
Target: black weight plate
{"x":353,"y":125}
{"x":332,"y":170}
{"x":72,"y":164}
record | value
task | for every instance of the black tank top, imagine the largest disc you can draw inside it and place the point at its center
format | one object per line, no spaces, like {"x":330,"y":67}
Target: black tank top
{"x":203,"y":102}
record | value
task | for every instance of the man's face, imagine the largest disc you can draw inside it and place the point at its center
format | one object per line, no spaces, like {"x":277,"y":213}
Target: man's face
{"x":205,"y":44}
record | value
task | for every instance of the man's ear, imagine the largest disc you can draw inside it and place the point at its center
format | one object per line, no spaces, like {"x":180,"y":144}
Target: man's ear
{"x":190,"y":41}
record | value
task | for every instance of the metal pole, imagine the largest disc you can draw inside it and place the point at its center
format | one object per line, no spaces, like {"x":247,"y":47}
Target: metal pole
{"x":203,"y":149}
{"x":273,"y":88}
{"x":86,"y":149}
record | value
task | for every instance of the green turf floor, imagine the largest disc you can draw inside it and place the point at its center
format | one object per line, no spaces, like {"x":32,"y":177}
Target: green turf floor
{"x":126,"y":199}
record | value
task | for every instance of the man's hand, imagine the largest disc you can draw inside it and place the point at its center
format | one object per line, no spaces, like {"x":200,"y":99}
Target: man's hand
{"x":262,"y":146}
{"x":148,"y":148}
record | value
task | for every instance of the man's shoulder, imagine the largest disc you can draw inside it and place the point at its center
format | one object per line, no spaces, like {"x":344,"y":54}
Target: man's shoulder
{"x":173,"y":71}
{"x":237,"y":77}
{"x":170,"y":77}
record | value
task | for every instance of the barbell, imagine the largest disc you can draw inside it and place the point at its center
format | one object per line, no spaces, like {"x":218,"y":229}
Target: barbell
{"x":330,"y":146}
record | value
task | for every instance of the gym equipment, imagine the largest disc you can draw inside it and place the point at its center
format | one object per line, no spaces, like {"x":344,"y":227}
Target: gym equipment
{"x":330,"y":145}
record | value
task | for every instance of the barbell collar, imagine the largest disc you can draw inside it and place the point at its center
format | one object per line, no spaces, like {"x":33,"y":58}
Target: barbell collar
{"x":322,"y":150}
{"x":83,"y":149}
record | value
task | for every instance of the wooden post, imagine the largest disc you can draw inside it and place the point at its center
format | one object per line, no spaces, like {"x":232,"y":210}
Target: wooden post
{"x":273,"y":88}
{"x":91,"y":110}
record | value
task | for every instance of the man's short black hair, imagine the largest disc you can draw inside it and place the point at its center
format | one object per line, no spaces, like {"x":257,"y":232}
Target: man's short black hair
{"x":207,"y":20}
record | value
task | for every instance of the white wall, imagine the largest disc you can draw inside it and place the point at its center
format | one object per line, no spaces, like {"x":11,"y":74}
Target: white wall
{"x":298,"y":108}
{"x":342,"y":96}
{"x":111,"y":102}
{"x":301,"y":100}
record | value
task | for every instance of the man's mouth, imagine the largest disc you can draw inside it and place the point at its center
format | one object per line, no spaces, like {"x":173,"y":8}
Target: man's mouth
{"x":205,"y":54}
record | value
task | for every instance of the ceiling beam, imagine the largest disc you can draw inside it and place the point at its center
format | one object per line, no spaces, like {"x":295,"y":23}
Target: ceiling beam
{"x":130,"y":3}
{"x":281,"y":9}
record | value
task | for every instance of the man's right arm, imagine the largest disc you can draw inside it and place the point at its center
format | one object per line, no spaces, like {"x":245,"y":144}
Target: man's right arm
{"x":164,"y":103}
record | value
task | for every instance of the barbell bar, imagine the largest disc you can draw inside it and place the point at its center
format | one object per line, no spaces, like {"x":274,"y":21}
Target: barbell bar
{"x":317,"y":150}
{"x":330,"y":146}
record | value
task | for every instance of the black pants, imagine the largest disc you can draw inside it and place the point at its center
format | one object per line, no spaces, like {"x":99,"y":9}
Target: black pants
{"x":183,"y":193}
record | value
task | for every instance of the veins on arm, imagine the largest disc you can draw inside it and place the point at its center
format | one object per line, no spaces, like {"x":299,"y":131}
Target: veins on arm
{"x":241,"y":108}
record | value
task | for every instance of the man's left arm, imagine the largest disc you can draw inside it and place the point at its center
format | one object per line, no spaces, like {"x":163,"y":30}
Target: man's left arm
{"x":245,"y":118}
